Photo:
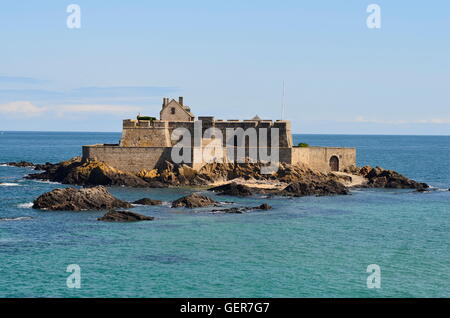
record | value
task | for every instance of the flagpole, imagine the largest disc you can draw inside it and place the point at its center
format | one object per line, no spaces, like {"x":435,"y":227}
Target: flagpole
{"x":282,"y":102}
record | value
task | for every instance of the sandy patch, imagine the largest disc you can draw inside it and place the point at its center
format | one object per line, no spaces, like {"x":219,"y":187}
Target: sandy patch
{"x":259,"y":184}
{"x":355,"y":179}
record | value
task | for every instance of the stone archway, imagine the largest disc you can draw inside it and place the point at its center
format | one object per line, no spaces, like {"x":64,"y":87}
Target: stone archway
{"x":334,"y":163}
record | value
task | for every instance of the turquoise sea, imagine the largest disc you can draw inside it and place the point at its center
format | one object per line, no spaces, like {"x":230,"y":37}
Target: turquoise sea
{"x":304,"y":247}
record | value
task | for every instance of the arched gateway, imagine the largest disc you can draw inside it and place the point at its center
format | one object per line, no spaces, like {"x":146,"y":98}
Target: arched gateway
{"x":334,"y":163}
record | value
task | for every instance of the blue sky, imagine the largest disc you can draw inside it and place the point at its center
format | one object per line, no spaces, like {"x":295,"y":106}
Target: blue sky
{"x":228,"y":59}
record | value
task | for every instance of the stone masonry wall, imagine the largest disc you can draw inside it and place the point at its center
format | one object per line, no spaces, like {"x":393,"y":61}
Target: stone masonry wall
{"x":158,"y":133}
{"x":319,"y":157}
{"x":130,"y":159}
{"x":134,"y":159}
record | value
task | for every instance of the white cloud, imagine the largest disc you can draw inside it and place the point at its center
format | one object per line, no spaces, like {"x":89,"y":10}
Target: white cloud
{"x":23,"y":108}
{"x":361,"y":119}
{"x":96,"y":108}
{"x":28,"y":109}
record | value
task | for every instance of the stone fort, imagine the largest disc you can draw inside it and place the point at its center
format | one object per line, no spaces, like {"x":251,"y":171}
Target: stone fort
{"x":147,"y":142}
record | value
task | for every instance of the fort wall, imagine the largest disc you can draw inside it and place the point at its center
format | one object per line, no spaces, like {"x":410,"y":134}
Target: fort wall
{"x":157,"y":133}
{"x":135,"y":159}
{"x":129,"y":159}
{"x":319,"y":157}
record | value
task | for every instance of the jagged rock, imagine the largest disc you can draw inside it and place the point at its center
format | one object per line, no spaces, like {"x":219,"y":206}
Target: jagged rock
{"x":71,"y":199}
{"x":148,"y":174}
{"x":381,"y":178}
{"x":44,"y":167}
{"x":233,"y":189}
{"x":78,"y":172}
{"x":124,"y":216}
{"x":194,"y":200}
{"x":329,"y":187}
{"x":167,"y":174}
{"x":156,"y":184}
{"x":20,"y":164}
{"x":147,"y":201}
{"x":263,"y":206}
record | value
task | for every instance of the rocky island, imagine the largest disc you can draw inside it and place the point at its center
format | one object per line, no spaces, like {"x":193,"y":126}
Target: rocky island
{"x":149,"y":155}
{"x":228,"y":179}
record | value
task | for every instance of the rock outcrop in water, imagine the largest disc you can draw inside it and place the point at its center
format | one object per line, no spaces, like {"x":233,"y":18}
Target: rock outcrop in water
{"x":124,"y":216}
{"x":147,"y":201}
{"x":78,"y":172}
{"x":194,"y":200}
{"x":71,"y":199}
{"x":323,"y":188}
{"x":301,"y":179}
{"x":381,"y":178}
{"x":239,"y":210}
{"x":20,"y":164}
{"x":233,"y":189}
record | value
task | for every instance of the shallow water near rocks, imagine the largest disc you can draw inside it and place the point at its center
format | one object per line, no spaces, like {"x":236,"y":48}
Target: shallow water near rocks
{"x":303,"y":247}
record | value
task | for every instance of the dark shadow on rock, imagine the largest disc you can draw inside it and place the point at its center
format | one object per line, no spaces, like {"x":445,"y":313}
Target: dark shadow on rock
{"x":147,"y":201}
{"x":124,"y":216}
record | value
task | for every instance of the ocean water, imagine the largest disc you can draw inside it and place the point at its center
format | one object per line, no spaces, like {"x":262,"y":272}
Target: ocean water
{"x":304,"y":247}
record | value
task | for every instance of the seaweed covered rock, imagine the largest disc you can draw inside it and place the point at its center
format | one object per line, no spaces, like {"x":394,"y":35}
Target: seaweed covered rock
{"x":20,"y":164}
{"x":124,"y":216}
{"x":91,"y":172}
{"x":238,"y":210}
{"x":194,"y":200}
{"x":71,"y":199}
{"x":147,"y":201}
{"x":329,"y":187}
{"x":382,"y":178}
{"x":233,"y":189}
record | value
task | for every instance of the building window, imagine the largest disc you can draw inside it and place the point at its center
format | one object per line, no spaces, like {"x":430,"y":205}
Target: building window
{"x":172,"y":110}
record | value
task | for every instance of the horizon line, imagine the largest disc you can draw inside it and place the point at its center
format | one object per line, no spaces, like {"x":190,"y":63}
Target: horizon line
{"x":119,"y":132}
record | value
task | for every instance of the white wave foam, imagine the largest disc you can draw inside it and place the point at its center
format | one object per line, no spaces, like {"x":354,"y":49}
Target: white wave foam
{"x":163,"y":203}
{"x":6,"y":184}
{"x":46,"y":182}
{"x":28,"y":205}
{"x":3,"y":165}
{"x":433,"y":188}
{"x":20,"y":218}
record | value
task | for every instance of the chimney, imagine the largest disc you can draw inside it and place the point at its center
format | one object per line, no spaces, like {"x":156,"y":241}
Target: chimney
{"x":164,"y":101}
{"x":180,"y":100}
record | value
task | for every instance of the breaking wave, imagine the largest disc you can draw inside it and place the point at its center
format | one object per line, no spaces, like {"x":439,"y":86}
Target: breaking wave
{"x":28,"y":205}
{"x":20,"y":218}
{"x":6,"y":184}
{"x":46,"y":181}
